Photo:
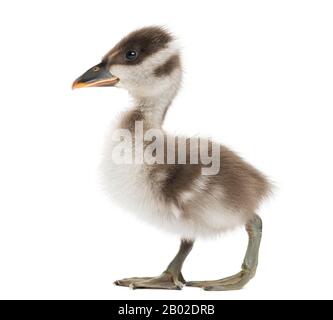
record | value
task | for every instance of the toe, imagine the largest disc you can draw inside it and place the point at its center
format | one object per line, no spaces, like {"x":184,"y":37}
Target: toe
{"x":144,"y":285}
{"x":126,"y":282}
{"x":123,"y":283}
{"x":199,"y":284}
{"x":165,"y":281}
{"x":223,"y":288}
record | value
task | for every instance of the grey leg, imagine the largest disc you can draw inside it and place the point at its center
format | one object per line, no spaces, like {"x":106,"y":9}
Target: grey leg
{"x":171,"y":278}
{"x":249,"y":266}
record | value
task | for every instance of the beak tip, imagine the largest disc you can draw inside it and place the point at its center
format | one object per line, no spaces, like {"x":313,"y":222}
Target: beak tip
{"x":74,"y":85}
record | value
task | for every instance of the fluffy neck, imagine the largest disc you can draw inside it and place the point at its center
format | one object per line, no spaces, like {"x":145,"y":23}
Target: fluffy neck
{"x":154,"y":108}
{"x":149,"y":109}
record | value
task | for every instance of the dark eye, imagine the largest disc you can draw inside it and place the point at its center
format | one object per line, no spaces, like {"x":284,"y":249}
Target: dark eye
{"x":131,"y":55}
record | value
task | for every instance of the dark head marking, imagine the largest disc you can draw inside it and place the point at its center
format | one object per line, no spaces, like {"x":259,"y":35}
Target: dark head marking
{"x":138,"y":45}
{"x":166,"y":68}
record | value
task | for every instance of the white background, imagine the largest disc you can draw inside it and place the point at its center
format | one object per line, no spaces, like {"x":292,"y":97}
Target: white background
{"x":259,"y":78}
